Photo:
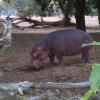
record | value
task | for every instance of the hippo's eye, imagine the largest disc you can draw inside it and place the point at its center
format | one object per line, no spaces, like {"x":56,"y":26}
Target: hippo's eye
{"x":35,"y":55}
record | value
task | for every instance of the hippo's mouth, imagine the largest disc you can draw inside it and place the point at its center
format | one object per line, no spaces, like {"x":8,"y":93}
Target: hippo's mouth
{"x":36,"y":65}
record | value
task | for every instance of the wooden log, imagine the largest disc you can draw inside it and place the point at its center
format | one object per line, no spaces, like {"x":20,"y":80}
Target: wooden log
{"x":49,"y":85}
{"x":53,"y":85}
{"x":18,"y":88}
{"x":33,"y":22}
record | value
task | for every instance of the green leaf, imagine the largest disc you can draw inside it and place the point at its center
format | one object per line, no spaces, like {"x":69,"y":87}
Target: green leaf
{"x":87,"y":95}
{"x":95,"y":65}
{"x":94,"y":43}
{"x":95,"y":78}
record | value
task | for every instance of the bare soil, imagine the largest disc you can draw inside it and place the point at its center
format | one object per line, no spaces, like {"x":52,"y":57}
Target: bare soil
{"x":12,"y":64}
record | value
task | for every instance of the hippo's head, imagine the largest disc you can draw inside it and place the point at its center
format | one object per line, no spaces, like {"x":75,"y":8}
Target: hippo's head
{"x":38,"y":55}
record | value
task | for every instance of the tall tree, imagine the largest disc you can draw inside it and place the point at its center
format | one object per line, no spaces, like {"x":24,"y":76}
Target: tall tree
{"x":43,"y":6}
{"x":66,"y":6}
{"x":80,"y":14}
{"x":97,"y":5}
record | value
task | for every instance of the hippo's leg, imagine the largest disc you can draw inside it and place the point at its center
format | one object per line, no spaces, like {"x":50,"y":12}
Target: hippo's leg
{"x":85,"y":57}
{"x":51,"y":57}
{"x":61,"y":60}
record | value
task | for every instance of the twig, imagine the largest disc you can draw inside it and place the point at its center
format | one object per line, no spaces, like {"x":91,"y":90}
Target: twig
{"x":74,"y":98}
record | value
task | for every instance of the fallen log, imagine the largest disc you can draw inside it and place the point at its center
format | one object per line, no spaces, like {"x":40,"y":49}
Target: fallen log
{"x":7,"y":91}
{"x":13,"y":89}
{"x":33,"y":22}
{"x":52,"y":85}
{"x":49,"y":85}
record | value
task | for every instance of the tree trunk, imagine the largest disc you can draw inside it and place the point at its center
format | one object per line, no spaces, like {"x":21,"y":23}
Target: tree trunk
{"x":80,"y":14}
{"x":66,"y":8}
{"x":99,"y":16}
{"x":66,"y":19}
{"x":5,"y":40}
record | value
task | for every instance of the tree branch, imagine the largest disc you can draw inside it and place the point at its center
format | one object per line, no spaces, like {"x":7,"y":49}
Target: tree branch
{"x":34,"y":22}
{"x":5,"y":40}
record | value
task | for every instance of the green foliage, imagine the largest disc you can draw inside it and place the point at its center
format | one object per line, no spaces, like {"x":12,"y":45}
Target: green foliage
{"x":94,"y":76}
{"x":94,"y":81}
{"x":87,"y":95}
{"x":43,"y":4}
{"x":66,"y":5}
{"x":4,"y":5}
{"x":31,"y":9}
{"x":96,"y":4}
{"x":94,"y":43}
{"x":34,"y":7}
{"x":90,"y":8}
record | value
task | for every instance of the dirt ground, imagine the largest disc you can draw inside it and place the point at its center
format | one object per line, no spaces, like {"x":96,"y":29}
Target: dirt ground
{"x":12,"y":63}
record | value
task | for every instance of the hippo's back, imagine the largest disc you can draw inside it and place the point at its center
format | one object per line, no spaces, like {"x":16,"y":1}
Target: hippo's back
{"x":73,"y":34}
{"x":68,"y":42}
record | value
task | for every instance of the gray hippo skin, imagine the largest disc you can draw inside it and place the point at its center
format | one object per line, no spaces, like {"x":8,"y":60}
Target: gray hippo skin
{"x":60,"y":43}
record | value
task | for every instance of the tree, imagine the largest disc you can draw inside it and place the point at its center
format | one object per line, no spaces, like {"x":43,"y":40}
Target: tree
{"x":97,"y":5}
{"x":80,"y":14}
{"x":43,"y":5}
{"x":8,"y":1}
{"x":21,"y":6}
{"x":66,"y":7}
{"x":94,"y":6}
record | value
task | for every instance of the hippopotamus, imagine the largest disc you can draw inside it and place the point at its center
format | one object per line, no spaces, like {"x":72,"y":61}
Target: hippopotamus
{"x":60,"y":43}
